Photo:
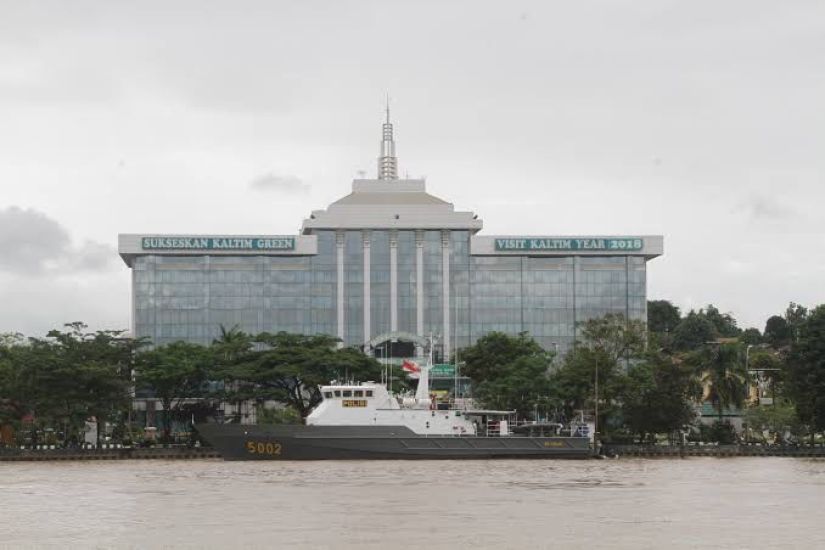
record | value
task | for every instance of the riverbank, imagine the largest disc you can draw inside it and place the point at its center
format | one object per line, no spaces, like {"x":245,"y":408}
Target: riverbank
{"x":157,"y":453}
{"x":720,"y":451}
{"x":187,"y":453}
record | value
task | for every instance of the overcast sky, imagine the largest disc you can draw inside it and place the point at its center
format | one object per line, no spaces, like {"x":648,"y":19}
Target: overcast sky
{"x":701,"y":121}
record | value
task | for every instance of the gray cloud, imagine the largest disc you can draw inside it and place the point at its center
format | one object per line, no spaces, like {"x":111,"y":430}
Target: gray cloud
{"x":29,"y":240}
{"x":760,"y":208}
{"x":31,"y":243}
{"x":93,"y":256}
{"x":291,"y":185}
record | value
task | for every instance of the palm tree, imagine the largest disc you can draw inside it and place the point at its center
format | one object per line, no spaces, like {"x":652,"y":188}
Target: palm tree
{"x":230,"y":348}
{"x":721,"y":370}
{"x":232,"y":343}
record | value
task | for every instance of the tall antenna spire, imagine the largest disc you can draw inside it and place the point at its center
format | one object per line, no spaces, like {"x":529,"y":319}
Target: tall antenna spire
{"x":387,"y":162}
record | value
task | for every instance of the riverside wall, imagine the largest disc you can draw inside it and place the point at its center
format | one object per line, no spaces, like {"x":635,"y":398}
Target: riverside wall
{"x":677,"y":451}
{"x":156,"y":453}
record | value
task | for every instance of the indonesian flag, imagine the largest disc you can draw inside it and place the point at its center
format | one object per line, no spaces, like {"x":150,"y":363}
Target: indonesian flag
{"x":411,"y":368}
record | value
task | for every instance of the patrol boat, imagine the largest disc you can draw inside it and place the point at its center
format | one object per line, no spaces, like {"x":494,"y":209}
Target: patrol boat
{"x":365,"y":421}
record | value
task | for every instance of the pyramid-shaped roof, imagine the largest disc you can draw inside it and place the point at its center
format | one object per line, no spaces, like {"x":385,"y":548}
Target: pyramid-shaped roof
{"x":390,"y":204}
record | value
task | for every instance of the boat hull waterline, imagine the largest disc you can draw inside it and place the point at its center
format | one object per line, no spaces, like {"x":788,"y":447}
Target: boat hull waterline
{"x":245,"y":442}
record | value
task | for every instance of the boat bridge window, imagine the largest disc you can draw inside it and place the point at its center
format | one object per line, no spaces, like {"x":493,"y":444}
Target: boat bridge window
{"x":347,"y":393}
{"x":358,"y":393}
{"x":369,"y":393}
{"x":337,"y":393}
{"x":327,"y":395}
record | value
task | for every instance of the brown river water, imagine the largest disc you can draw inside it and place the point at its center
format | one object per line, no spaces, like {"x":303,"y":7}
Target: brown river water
{"x":625,"y":503}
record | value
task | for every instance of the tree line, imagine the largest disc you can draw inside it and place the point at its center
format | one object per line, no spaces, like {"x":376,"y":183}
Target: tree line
{"x":648,"y":379}
{"x":60,"y":381}
{"x":651,"y":379}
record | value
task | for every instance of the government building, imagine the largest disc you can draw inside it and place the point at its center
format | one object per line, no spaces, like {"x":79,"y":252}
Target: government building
{"x":385,"y":268}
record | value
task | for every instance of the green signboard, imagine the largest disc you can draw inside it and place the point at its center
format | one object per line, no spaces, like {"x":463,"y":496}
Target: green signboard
{"x":442,"y":370}
{"x":218,"y":243}
{"x":565,"y":244}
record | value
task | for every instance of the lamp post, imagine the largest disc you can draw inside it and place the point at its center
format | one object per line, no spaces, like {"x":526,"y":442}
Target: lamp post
{"x":596,"y":417}
{"x":747,"y":371}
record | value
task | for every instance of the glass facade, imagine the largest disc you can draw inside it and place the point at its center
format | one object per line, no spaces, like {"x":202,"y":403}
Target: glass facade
{"x":188,"y":297}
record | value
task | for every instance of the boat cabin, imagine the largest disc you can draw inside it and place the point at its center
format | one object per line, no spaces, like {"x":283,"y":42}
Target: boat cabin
{"x":370,"y":404}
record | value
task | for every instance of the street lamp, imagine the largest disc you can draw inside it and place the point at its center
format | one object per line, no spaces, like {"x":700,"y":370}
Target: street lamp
{"x":596,"y":418}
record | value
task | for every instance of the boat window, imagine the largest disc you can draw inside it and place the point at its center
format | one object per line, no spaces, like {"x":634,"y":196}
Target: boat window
{"x":337,"y":393}
{"x":347,"y":393}
{"x":327,"y":395}
{"x":369,"y":393}
{"x":358,"y":393}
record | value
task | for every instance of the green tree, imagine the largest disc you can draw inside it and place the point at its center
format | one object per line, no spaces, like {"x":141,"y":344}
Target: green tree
{"x":520,"y":386}
{"x":662,"y":316}
{"x":596,"y":364}
{"x":776,"y":419}
{"x":231,"y":349}
{"x":722,"y":372}
{"x":61,"y":380}
{"x":795,"y":315}
{"x":574,"y":383}
{"x":777,"y":332}
{"x":723,"y":323}
{"x":693,"y":331}
{"x":231,"y":345}
{"x":508,"y":372}
{"x":94,"y":370}
{"x":174,"y":373}
{"x":614,"y":336}
{"x":15,"y":402}
{"x":485,"y":359}
{"x":291,"y":367}
{"x":27,"y":384}
{"x":751,"y":337}
{"x":805,"y":371}
{"x":657,"y":395}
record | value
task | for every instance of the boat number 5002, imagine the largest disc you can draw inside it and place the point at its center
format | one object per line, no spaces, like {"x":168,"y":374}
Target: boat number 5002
{"x":261,"y":448}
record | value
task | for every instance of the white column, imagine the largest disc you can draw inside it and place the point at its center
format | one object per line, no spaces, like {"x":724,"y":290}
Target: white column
{"x":339,"y":244}
{"x":365,"y":235}
{"x":445,"y":293}
{"x":419,"y":283}
{"x":393,"y":281}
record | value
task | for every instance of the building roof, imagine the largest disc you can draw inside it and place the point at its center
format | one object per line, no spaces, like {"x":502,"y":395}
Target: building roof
{"x":383,"y":198}
{"x":390,"y":204}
